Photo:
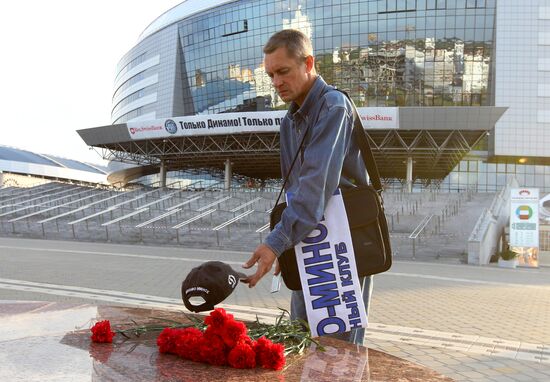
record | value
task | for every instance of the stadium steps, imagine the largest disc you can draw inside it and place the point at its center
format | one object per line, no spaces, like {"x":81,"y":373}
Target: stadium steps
{"x":454,"y":215}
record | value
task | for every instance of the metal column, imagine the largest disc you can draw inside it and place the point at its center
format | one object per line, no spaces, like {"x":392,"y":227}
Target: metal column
{"x":228,"y":174}
{"x":409,"y":174}
{"x":162,"y":174}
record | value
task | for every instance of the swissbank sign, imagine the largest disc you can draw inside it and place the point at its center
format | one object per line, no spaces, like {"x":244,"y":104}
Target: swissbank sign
{"x":379,"y":117}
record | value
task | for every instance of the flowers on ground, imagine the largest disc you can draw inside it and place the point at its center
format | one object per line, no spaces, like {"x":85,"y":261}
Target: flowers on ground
{"x":224,"y":342}
{"x":220,"y":340}
{"x":101,"y":332}
{"x":269,"y":355}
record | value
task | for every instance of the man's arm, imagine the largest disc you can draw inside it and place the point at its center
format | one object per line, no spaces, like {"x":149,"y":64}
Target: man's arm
{"x":318,"y":179}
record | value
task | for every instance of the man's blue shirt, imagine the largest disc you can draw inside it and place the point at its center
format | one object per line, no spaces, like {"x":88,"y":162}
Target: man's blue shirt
{"x":330,"y":159}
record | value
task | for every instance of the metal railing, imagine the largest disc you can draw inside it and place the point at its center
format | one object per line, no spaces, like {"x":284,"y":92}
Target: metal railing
{"x":418,"y":230}
{"x":229,"y":222}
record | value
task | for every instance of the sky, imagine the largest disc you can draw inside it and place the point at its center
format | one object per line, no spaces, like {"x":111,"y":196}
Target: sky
{"x":58,"y":65}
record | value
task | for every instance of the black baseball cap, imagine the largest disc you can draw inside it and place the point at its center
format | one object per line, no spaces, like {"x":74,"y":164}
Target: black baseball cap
{"x":212,"y":281}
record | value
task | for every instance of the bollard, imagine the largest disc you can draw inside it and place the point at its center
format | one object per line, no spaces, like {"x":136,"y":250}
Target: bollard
{"x":414,"y":251}
{"x":178,"y":235}
{"x":72,"y":226}
{"x":107,"y":233}
{"x":43,"y":232}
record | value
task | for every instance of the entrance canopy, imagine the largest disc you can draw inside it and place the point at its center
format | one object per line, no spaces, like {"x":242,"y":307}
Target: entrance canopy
{"x":436,"y":138}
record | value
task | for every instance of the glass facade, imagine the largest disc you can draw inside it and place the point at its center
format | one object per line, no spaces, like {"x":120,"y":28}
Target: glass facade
{"x":485,"y":176}
{"x":383,"y":52}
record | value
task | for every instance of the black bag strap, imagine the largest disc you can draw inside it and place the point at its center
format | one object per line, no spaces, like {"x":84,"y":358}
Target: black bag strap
{"x":292,"y":165}
{"x":364,"y":149}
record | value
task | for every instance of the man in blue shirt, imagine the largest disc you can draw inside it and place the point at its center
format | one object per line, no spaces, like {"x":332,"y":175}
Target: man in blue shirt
{"x":330,"y":157}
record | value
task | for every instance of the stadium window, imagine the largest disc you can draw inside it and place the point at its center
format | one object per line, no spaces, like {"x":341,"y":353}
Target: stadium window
{"x":136,"y":61}
{"x":441,"y":4}
{"x":393,"y":6}
{"x":125,"y":85}
{"x":235,"y":27}
{"x":430,"y":4}
{"x":470,"y":3}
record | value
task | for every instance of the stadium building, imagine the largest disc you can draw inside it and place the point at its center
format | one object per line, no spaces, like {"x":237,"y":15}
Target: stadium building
{"x":452,"y":93}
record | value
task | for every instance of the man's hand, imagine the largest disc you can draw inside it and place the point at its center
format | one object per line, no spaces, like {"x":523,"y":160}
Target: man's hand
{"x":265,"y":257}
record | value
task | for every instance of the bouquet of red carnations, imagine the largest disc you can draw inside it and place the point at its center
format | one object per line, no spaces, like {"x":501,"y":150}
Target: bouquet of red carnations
{"x":224,"y":342}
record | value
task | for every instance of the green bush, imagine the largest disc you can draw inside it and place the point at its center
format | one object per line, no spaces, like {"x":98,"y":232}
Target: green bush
{"x":508,"y":254}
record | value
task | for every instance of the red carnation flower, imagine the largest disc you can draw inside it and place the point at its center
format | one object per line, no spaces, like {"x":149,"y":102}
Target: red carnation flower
{"x":188,"y":343}
{"x":166,"y":341}
{"x":210,"y":331}
{"x":261,"y":344}
{"x":276,"y":357}
{"x":269,"y":355}
{"x":217,"y":319}
{"x":242,"y":356}
{"x":213,"y":350}
{"x":101,"y":332}
{"x":246,"y":340}
{"x":232,"y":332}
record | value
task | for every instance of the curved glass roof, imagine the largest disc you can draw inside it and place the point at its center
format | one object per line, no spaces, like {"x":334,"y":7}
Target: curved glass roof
{"x":19,"y":155}
{"x":179,"y":12}
{"x":76,"y":165}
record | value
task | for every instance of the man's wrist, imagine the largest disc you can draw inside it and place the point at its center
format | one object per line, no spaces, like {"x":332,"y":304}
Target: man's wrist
{"x":277,"y":244}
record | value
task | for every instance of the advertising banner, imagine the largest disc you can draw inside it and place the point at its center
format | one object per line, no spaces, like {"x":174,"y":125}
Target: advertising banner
{"x":212,"y":124}
{"x":524,"y":217}
{"x":379,"y":117}
{"x":249,"y":122}
{"x":328,"y":274}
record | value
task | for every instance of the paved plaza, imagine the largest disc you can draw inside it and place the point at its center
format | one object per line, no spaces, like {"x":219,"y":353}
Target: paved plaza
{"x":469,"y":323}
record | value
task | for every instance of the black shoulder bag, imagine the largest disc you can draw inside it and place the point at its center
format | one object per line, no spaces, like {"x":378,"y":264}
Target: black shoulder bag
{"x":366,"y":219}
